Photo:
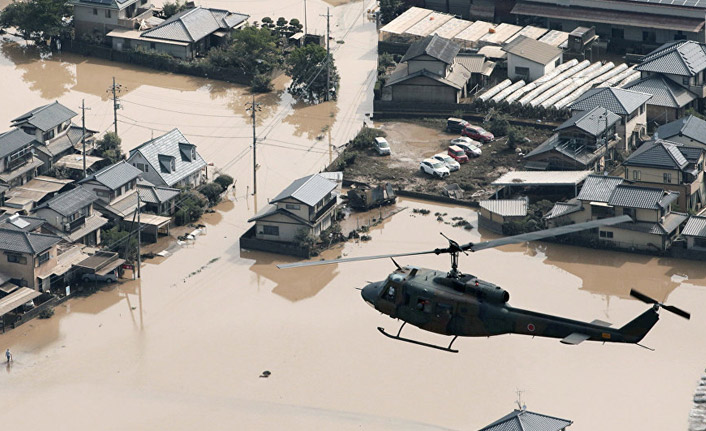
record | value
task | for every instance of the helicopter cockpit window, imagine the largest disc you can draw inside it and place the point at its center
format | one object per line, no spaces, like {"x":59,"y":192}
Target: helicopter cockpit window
{"x":390,"y":294}
{"x":424,"y":305}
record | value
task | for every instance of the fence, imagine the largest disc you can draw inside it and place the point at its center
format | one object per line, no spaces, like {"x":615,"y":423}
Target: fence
{"x":249,"y":242}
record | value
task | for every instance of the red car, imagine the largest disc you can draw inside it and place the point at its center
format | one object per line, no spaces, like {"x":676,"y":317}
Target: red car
{"x":458,"y":154}
{"x":478,"y":133}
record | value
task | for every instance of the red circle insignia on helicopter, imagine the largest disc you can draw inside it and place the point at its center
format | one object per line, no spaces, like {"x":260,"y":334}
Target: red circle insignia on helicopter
{"x":530,"y":327}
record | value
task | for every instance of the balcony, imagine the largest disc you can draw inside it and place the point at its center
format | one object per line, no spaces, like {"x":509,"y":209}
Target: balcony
{"x":74,"y":225}
{"x":326,"y":208}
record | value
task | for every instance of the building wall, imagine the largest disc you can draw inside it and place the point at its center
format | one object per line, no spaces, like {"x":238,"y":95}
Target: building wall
{"x":425,"y":62}
{"x":638,"y":122}
{"x":288,"y":228}
{"x":424,"y":90}
{"x":86,"y":22}
{"x":178,"y":51}
{"x":632,"y":239}
{"x":536,"y":70}
{"x":26,"y":271}
{"x":663,"y":115}
{"x":302,"y":211}
{"x":103,"y":193}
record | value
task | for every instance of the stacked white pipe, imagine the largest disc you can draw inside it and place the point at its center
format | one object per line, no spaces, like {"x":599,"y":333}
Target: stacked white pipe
{"x":495,"y":90}
{"x":516,"y":95}
{"x":508,"y":91}
{"x":612,"y":82}
{"x":632,"y":77}
{"x":529,"y":97}
{"x":575,"y":83}
{"x":566,"y":101}
{"x":541,"y":80}
{"x":609,"y":74}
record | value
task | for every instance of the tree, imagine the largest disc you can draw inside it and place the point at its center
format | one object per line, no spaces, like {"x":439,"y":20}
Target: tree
{"x":37,"y":20}
{"x":108,"y":147}
{"x":212,"y":191}
{"x":499,"y":125}
{"x":115,"y":239}
{"x":169,"y":9}
{"x":191,"y":207}
{"x":391,"y":9}
{"x":307,"y":68}
{"x":224,"y":181}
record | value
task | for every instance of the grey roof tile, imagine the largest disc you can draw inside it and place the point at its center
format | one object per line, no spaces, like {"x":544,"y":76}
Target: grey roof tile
{"x":523,"y":420}
{"x":115,"y":175}
{"x":690,"y":126}
{"x":26,"y":242}
{"x":434,"y":46}
{"x":456,"y":79}
{"x":309,"y":190}
{"x":617,"y":100}
{"x":45,"y":117}
{"x":581,"y":155}
{"x":630,"y":196}
{"x":69,"y":202}
{"x":533,"y":50}
{"x":14,"y":140}
{"x":20,"y":222}
{"x":592,"y":122}
{"x":664,"y":91}
{"x":152,"y":194}
{"x":171,"y":147}
{"x":66,"y":141}
{"x":685,"y":58}
{"x":695,"y":226}
{"x":658,"y":154}
{"x":563,"y":208}
{"x":598,"y":188}
{"x":194,"y":24}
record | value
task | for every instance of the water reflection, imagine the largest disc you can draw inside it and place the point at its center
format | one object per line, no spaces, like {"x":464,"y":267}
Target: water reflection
{"x":312,"y":121}
{"x":46,"y":74}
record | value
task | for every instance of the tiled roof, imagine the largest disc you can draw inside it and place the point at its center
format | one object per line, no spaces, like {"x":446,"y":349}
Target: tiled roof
{"x":685,"y":58}
{"x":117,"y":4}
{"x":270,"y":209}
{"x":641,"y":197}
{"x":434,"y":46}
{"x":171,"y":147}
{"x":563,"y":208}
{"x":568,"y":149}
{"x":690,"y":126}
{"x":657,"y":154}
{"x":695,"y":226}
{"x":691,"y":154}
{"x":308,"y":190}
{"x":533,"y":50}
{"x":152,"y":194}
{"x":506,"y":207}
{"x":69,"y":202}
{"x":194,"y":24}
{"x":618,"y":100}
{"x":664,"y":91}
{"x":26,"y":242}
{"x":592,"y":122}
{"x":456,"y":79}
{"x":598,"y":188}
{"x":20,"y":222}
{"x":523,"y":420}
{"x":115,"y":175}
{"x":13,"y":140}
{"x":45,"y":117}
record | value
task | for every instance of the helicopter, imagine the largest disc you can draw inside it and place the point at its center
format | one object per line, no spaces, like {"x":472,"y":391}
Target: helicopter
{"x":462,"y":305}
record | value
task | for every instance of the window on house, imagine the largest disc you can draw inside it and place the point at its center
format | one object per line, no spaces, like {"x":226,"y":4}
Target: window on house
{"x":686,"y":80}
{"x":270,"y":230}
{"x":119,"y":191}
{"x":522,"y":71}
{"x":605,"y":234}
{"x":107,"y":14}
{"x":636,"y":175}
{"x":617,"y":33}
{"x":557,"y":62}
{"x":153,"y":45}
{"x":642,"y":109}
{"x":48,"y":135}
{"x":667,"y":177}
{"x":16,"y":258}
{"x":95,"y":11}
{"x":292,"y":206}
{"x":43,"y":257}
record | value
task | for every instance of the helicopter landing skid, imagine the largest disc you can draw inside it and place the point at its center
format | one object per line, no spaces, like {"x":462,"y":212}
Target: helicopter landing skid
{"x":419,"y":343}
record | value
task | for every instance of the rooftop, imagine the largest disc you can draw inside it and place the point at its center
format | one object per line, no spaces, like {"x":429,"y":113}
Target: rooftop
{"x":434,"y":46}
{"x":690,"y":126}
{"x":506,"y":207}
{"x":18,"y":241}
{"x":537,"y":178}
{"x":598,"y":188}
{"x":683,"y":57}
{"x":594,"y":122}
{"x":523,"y":420}
{"x":152,"y":194}
{"x":171,"y":156}
{"x":630,"y":196}
{"x":658,"y":154}
{"x":308,"y":190}
{"x":533,"y":50}
{"x":617,"y":100}
{"x":14,"y":140}
{"x":71,"y":201}
{"x":45,"y":117}
{"x":664,"y":91}
{"x":115,"y":175}
{"x":695,"y":226}
{"x":194,"y":24}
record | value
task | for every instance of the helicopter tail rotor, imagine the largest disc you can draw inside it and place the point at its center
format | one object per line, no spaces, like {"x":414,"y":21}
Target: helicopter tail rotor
{"x":646,"y":299}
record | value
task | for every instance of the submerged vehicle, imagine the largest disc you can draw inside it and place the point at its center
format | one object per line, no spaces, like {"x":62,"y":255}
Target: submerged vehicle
{"x":363,"y":197}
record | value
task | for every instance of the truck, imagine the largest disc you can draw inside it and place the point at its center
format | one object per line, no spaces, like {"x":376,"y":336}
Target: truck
{"x":364,"y":197}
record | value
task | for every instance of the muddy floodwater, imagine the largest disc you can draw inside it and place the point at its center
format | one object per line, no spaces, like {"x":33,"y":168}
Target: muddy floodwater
{"x":183,"y":348}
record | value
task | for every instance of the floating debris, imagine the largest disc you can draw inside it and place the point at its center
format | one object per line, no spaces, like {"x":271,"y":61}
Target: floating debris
{"x":265,"y":374}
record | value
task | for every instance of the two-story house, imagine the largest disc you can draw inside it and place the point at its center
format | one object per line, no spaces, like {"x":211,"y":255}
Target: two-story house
{"x":169,"y":160}
{"x":583,"y":142}
{"x":98,"y":17}
{"x":28,"y":257}
{"x":308,"y":204}
{"x":18,"y":163}
{"x":159,"y":200}
{"x":689,"y":130}
{"x":54,"y":134}
{"x":630,"y":105}
{"x":116,"y":188}
{"x":428,"y":73}
{"x":70,"y":215}
{"x":670,"y":166}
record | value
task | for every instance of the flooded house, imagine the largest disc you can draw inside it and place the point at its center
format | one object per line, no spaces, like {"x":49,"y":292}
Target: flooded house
{"x":18,"y":164}
{"x":25,"y":198}
{"x":159,"y":200}
{"x":695,"y":233}
{"x":116,"y":189}
{"x":99,"y":17}
{"x":670,"y":166}
{"x":70,"y":215}
{"x":496,"y":212}
{"x":28,"y":257}
{"x":169,"y":160}
{"x":186,"y":35}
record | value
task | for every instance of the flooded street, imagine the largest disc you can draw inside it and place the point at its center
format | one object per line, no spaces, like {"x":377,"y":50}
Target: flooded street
{"x":184,"y":347}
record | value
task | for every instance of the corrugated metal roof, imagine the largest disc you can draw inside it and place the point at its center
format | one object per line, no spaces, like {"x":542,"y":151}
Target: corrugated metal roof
{"x":617,"y":100}
{"x":506,"y":207}
{"x":541,"y":178}
{"x":26,"y":242}
{"x":69,"y":202}
{"x":501,"y":33}
{"x":690,"y":126}
{"x":523,"y":420}
{"x":14,"y":140}
{"x":45,"y":117}
{"x":408,"y":18}
{"x":598,"y":188}
{"x":533,"y":50}
{"x":452,"y":28}
{"x":530,"y":31}
{"x":630,"y":196}
{"x":555,"y":37}
{"x":427,"y":25}
{"x":695,"y":226}
{"x":685,"y":58}
{"x":115,"y":175}
{"x":474,"y":32}
{"x":592,"y":122}
{"x":309,"y":190}
{"x":194,"y":24}
{"x":174,"y":146}
{"x":657,"y":154}
{"x":664,"y":91}
{"x":435,"y":47}
{"x":474,"y":63}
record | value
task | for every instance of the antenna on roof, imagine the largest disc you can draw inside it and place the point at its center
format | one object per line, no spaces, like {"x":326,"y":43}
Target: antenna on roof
{"x":520,"y":404}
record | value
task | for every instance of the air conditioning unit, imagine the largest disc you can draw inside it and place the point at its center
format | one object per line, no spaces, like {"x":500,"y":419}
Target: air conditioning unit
{"x":67,"y":227}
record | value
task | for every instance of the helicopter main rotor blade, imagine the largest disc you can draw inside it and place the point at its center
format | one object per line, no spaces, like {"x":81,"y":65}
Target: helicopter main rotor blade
{"x":547,"y":233}
{"x":355,"y":259}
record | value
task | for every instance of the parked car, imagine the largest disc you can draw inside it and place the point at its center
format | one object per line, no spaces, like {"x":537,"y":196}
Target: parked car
{"x":471,"y":150}
{"x":458,"y":154}
{"x":456,"y":124}
{"x":434,"y":168}
{"x":466,"y":140}
{"x":107,"y":278}
{"x":478,"y":133}
{"x":382,"y":146}
{"x":448,"y":161}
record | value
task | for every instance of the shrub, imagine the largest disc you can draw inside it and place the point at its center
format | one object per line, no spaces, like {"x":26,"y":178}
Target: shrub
{"x":499,"y":125}
{"x":304,"y":239}
{"x":224,"y":181}
{"x":514,"y":137}
{"x":261,"y":83}
{"x":191,"y":208}
{"x":212,"y":191}
{"x":364,"y":139}
{"x":46,"y":313}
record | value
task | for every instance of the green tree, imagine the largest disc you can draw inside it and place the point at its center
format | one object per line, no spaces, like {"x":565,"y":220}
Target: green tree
{"x":307,"y":68}
{"x":224,"y":181}
{"x":37,"y":20}
{"x":391,"y":9}
{"x":108,"y":147}
{"x":212,"y":191}
{"x":115,"y":239}
{"x":169,"y":9}
{"x":191,"y":207}
{"x":499,"y":125}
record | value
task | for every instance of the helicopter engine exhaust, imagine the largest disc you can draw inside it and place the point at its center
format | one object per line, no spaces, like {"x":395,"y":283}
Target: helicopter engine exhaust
{"x":482,"y":290}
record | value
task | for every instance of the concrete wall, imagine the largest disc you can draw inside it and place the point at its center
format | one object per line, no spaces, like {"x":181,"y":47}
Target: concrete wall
{"x":288,"y":228}
{"x":536,"y":70}
{"x":632,"y":239}
{"x":638,"y":122}
{"x":424,"y":90}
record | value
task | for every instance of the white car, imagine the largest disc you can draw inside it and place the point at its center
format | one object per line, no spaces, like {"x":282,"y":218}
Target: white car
{"x":434,"y":168}
{"x":382,"y":146}
{"x":450,"y":163}
{"x":466,"y":140}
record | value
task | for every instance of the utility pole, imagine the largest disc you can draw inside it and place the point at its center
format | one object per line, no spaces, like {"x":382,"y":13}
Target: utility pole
{"x":115,"y":89}
{"x":253,"y":108}
{"x":305,"y":30}
{"x":139,"y":235}
{"x":328,"y":54}
{"x":83,"y":133}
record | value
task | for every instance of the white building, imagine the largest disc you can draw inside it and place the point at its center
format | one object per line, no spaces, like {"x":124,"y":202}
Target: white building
{"x":530,"y":59}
